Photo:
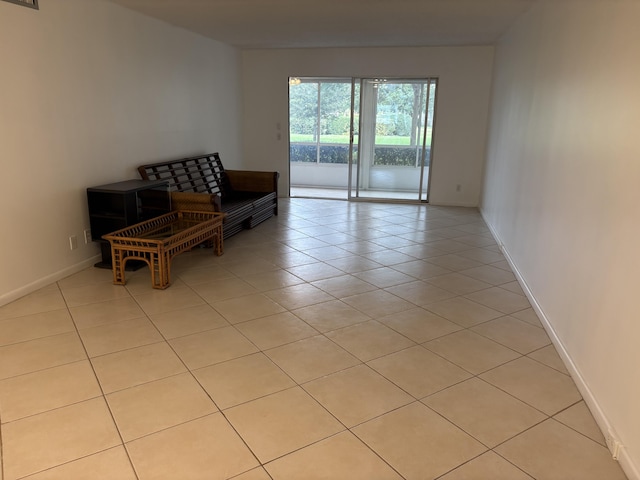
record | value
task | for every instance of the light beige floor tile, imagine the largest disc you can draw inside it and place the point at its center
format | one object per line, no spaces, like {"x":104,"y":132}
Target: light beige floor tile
{"x":555,"y":452}
{"x":489,"y":274}
{"x":513,"y":333}
{"x":513,"y":287}
{"x":308,"y":242}
{"x":213,"y":346}
{"x":420,"y":269}
{"x":483,"y":255}
{"x":45,"y":390}
{"x":403,"y":436}
{"x":311,"y":358}
{"x":344,"y":286}
{"x":487,"y":466}
{"x":458,"y":283}
{"x":211,"y":273}
{"x":272,"y":280}
{"x":378,"y":303}
{"x":174,"y":298}
{"x":549,"y":356}
{"x":292,"y":259}
{"x":462,"y":311}
{"x":477,"y":227}
{"x":337,"y":238}
{"x":154,"y":406}
{"x":331,"y":315}
{"x":107,"y":465}
{"x":55,"y":437}
{"x":453,"y":262}
{"x":354,"y":263}
{"x":503,"y":264}
{"x":357,"y":394}
{"x":255,"y":474}
{"x":369,"y":340}
{"x":312,"y":272}
{"x":388,"y":258}
{"x":421,"y":250}
{"x":384,"y":277}
{"x":477,"y":240}
{"x":283,"y":422}
{"x":45,"y":300}
{"x":340,"y":457}
{"x":419,"y":324}
{"x":500,"y":299}
{"x":580,"y":419}
{"x":360,"y":247}
{"x":484,"y":412}
{"x":187,"y":321}
{"x":111,"y":311}
{"x":420,"y":293}
{"x":418,"y":371}
{"x":48,"y":371}
{"x":276,"y":330}
{"x":249,"y":307}
{"x":242,"y":379}
{"x":47,"y":352}
{"x":251,"y":267}
{"x":541,"y":387}
{"x":88,"y":276}
{"x":83,"y":295}
{"x":299,"y":296}
{"x":37,"y":325}
{"x":202,"y":449}
{"x":139,"y":282}
{"x":449,"y":245}
{"x":470,"y":351}
{"x":528,"y":315}
{"x":393,"y":241}
{"x":115,"y":337}
{"x":120,"y":370}
{"x":329,"y":252}
{"x":219,"y":291}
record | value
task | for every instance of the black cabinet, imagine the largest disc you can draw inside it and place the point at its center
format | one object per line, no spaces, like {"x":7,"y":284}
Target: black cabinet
{"x":119,"y":205}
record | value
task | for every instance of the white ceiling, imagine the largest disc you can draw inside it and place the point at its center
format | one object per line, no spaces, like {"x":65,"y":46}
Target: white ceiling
{"x":338,"y":23}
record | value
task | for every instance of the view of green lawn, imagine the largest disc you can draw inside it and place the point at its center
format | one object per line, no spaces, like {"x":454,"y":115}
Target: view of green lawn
{"x":344,"y":139}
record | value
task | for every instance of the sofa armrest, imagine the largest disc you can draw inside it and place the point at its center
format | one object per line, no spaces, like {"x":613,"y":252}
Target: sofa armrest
{"x":251,"y":181}
{"x":203,"y":202}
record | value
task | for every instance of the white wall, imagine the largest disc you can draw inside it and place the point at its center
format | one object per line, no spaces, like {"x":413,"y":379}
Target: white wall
{"x":463,"y":99}
{"x":88,"y":91}
{"x":562,"y":191}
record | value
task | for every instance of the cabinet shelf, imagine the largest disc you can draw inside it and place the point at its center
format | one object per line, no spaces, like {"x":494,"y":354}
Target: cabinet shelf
{"x":122,"y":204}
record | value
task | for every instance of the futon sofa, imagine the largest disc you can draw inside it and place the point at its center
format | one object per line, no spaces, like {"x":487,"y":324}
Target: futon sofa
{"x":202,"y":183}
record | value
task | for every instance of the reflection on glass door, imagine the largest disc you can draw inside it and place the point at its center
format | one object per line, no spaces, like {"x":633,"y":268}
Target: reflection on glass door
{"x":394,"y":147}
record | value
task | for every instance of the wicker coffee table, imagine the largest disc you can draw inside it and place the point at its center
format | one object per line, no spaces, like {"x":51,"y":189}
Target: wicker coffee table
{"x":158,"y":240}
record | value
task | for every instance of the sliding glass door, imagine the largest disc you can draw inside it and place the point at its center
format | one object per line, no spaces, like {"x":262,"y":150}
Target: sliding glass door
{"x":361,"y":138}
{"x":396,"y":126}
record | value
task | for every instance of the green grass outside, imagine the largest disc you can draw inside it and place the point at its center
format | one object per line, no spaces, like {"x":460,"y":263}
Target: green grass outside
{"x":344,"y":139}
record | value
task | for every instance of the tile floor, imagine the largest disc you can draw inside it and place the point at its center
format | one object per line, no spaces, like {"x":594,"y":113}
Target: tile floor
{"x":335,"y":341}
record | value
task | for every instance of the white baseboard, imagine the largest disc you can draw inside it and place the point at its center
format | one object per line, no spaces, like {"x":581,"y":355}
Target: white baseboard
{"x":626,"y":462}
{"x":48,"y":280}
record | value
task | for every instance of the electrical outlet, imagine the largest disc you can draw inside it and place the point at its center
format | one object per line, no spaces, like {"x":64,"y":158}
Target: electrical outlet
{"x":87,"y":236}
{"x":73,"y":242}
{"x":613,"y":444}
{"x":458,"y":188}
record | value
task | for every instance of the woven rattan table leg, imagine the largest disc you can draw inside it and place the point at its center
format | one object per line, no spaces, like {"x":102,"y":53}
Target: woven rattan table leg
{"x":165,"y":263}
{"x":218,"y":241}
{"x":117,"y":266}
